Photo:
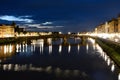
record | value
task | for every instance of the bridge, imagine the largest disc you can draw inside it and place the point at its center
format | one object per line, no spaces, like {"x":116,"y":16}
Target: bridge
{"x":64,"y":37}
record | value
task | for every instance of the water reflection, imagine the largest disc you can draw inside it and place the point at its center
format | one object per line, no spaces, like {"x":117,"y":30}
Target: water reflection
{"x":48,"y":69}
{"x":69,"y":48}
{"x":58,"y":72}
{"x":37,"y":50}
{"x":87,"y":48}
{"x":108,"y":61}
{"x":61,"y":40}
{"x":33,"y":44}
{"x":112,"y":67}
{"x":60,"y":48}
{"x":41,"y":45}
{"x":119,"y":76}
{"x":103,"y":55}
{"x":78,"y":48}
{"x":49,"y":41}
{"x":92,"y":44}
{"x":7,"y":51}
{"x":50,"y":49}
{"x":25,"y":49}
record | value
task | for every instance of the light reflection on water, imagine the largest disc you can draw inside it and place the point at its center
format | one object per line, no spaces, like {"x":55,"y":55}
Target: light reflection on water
{"x":50,"y":49}
{"x":41,"y":46}
{"x":41,"y":42}
{"x":6,"y":51}
{"x":78,"y":48}
{"x":69,"y":48}
{"x":112,"y":67}
{"x":60,"y":48}
{"x":119,"y":76}
{"x":48,"y":69}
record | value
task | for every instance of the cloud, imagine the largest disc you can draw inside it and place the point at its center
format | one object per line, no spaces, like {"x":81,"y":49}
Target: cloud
{"x":47,"y":23}
{"x":37,"y":26}
{"x":59,"y":26}
{"x":19,"y":18}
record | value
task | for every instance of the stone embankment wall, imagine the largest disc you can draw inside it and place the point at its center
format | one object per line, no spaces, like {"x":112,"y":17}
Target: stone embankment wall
{"x":111,"y":48}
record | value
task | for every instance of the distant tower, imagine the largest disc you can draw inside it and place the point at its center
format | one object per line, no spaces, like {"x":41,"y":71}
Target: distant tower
{"x":13,"y":24}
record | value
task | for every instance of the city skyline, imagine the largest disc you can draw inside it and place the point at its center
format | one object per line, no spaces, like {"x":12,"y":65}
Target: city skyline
{"x":63,"y":15}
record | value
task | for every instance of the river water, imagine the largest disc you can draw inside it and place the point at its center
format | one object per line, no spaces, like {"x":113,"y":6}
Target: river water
{"x":56,"y":59}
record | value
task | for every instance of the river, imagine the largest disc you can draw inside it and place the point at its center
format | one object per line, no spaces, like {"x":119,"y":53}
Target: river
{"x":56,"y":59}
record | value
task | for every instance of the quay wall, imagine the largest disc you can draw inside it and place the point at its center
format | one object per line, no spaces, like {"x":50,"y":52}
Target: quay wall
{"x":111,"y":48}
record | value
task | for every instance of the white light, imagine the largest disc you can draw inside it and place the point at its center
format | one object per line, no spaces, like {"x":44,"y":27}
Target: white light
{"x":105,"y":57}
{"x":5,"y":67}
{"x":69,"y":49}
{"x":26,"y":47}
{"x":5,"y":49}
{"x":20,"y":48}
{"x":99,"y":48}
{"x":69,"y":32}
{"x":50,"y":48}
{"x":87,"y":47}
{"x":108,"y":61}
{"x":60,"y":48}
{"x":78,"y":47}
{"x":60,"y":32}
{"x":23,"y":47}
{"x":17,"y":47}
{"x":16,"y":68}
{"x":10,"y":48}
{"x":119,"y":76}
{"x":49,"y":40}
{"x":31,"y":48}
{"x":91,"y":40}
{"x":41,"y":45}
{"x":9,"y":66}
{"x":112,"y":67}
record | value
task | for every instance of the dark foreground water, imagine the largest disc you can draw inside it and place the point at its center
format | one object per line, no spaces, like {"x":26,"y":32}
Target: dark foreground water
{"x":54,"y":59}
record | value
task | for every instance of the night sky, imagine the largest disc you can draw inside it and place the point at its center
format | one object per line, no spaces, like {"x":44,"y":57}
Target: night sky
{"x":60,"y":15}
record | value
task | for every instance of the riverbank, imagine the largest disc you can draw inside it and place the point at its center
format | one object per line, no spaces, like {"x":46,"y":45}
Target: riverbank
{"x":111,"y":48}
{"x":15,"y":40}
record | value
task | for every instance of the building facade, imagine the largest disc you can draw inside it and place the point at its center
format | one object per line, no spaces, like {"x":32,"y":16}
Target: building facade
{"x":111,"y":26}
{"x":118,"y":23}
{"x":6,"y":31}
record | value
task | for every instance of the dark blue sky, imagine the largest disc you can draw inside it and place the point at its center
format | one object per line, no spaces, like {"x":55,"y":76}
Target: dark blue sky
{"x":66,"y":15}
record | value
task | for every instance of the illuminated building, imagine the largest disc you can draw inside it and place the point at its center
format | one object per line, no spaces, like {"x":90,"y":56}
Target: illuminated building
{"x":118,"y":23}
{"x":100,"y":29}
{"x":113,"y":27}
{"x":6,"y":31}
{"x":106,"y":27}
{"x":108,"y":30}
